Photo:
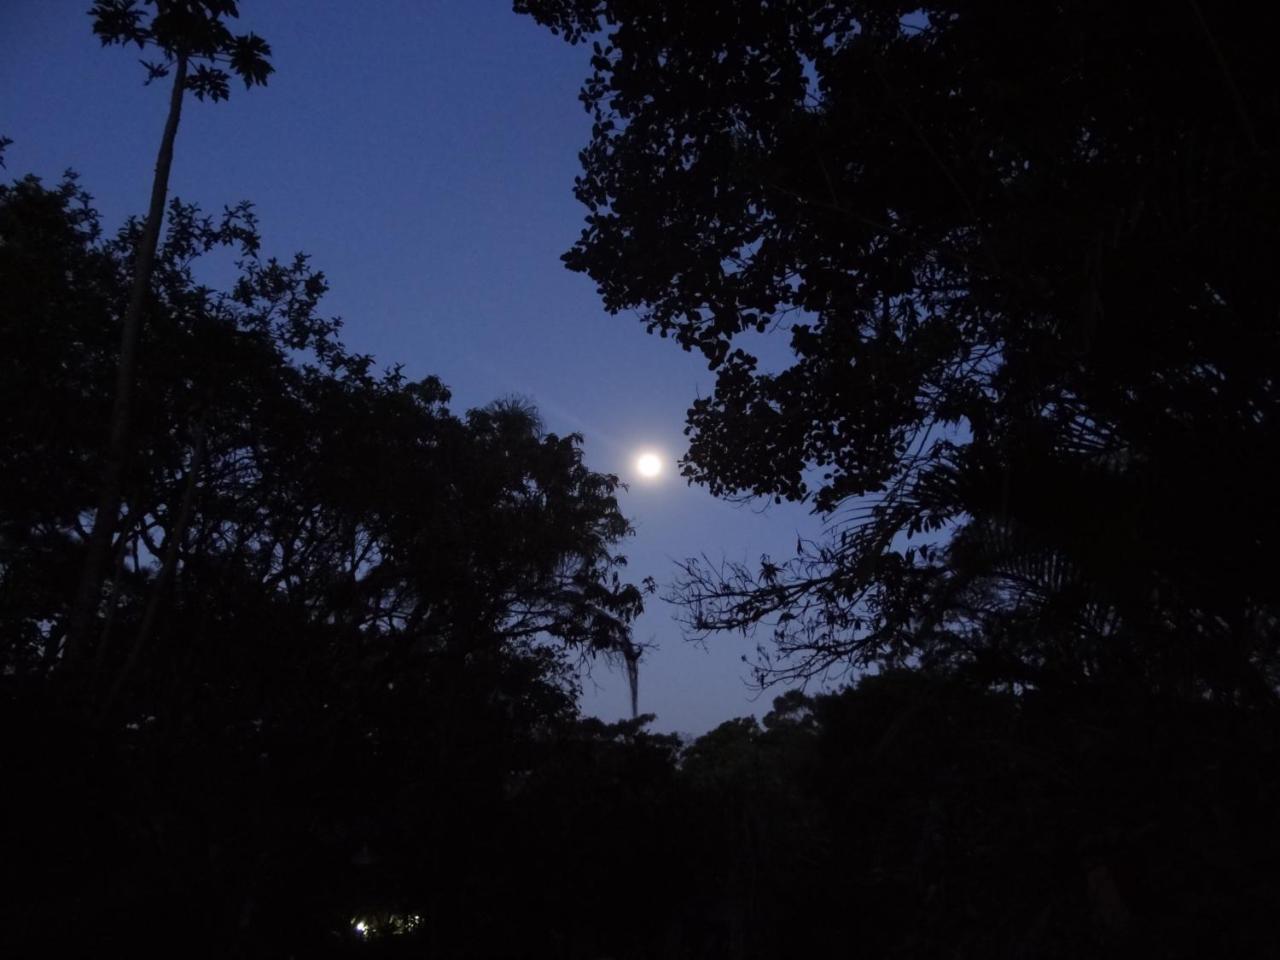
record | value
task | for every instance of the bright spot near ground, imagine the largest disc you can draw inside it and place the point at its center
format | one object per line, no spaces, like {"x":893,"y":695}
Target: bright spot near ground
{"x":385,"y":924}
{"x":649,"y":464}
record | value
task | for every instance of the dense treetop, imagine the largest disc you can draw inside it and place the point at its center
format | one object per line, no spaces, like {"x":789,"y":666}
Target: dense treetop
{"x":353,"y":500}
{"x":1020,"y":257}
{"x":187,"y":30}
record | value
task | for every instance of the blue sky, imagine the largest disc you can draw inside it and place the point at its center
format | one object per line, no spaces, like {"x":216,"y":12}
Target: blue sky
{"x":423,"y":152}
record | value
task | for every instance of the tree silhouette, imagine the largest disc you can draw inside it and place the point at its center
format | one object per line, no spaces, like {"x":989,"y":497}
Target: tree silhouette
{"x":329,"y":705}
{"x":194,"y":43}
{"x":327,"y":589}
{"x":1017,"y":256}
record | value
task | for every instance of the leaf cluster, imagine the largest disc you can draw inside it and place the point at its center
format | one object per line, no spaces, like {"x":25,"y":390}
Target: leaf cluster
{"x":196,"y":31}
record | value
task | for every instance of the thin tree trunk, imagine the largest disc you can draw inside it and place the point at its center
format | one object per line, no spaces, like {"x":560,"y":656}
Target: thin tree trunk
{"x":167,"y":567}
{"x":98,"y":548}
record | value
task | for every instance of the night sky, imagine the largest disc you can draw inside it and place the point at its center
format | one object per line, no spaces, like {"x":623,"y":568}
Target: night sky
{"x":423,"y":153}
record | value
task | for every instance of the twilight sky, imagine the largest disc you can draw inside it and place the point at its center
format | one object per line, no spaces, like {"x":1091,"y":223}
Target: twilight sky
{"x":423,"y":152}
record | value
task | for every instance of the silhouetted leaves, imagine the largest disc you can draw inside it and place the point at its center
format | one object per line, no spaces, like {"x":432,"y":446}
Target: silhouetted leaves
{"x":328,"y":699}
{"x":155,"y":71}
{"x":249,"y":55}
{"x":1017,"y":256}
{"x":195,"y":30}
{"x":373,"y":602}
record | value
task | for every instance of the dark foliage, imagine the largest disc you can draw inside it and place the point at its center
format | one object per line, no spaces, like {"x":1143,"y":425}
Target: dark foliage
{"x":196,"y":43}
{"x":193,"y":30}
{"x":368,"y":620}
{"x":322,"y":700}
{"x":1021,"y":254}
{"x":345,"y":733}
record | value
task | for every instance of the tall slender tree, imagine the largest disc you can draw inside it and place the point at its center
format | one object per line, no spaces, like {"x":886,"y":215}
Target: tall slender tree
{"x":195,"y":46}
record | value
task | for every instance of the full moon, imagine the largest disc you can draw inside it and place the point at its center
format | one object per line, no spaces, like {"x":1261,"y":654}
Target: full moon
{"x":649,"y":465}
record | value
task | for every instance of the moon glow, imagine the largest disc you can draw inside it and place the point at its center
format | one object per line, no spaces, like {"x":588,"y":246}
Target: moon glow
{"x":649,"y":465}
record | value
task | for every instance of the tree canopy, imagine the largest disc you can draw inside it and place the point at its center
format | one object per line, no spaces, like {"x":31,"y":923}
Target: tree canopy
{"x":361,"y":579}
{"x":349,"y":500}
{"x":1020,"y":256}
{"x":322,"y":699}
{"x":192,"y":31}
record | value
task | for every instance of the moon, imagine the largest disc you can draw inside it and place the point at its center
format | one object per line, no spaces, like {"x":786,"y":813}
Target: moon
{"x":649,"y":465}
